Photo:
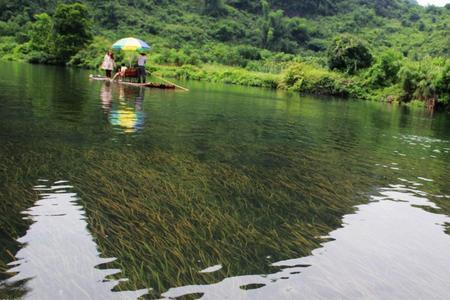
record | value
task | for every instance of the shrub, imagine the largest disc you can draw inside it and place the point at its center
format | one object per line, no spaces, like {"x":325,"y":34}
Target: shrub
{"x":215,"y":8}
{"x":427,"y":81}
{"x":348,"y":53}
{"x":305,"y":78}
{"x":385,"y":71}
{"x":92,"y":56}
{"x":40,"y":57}
{"x":443,"y":83}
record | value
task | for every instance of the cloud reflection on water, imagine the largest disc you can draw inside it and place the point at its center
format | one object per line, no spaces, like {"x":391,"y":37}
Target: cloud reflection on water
{"x":382,"y":252}
{"x":59,"y":258}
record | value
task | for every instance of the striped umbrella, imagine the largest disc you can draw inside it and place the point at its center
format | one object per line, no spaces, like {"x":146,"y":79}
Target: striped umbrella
{"x":131,"y":44}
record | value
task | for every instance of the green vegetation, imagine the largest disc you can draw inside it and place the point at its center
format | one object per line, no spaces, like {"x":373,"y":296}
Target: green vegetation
{"x":349,"y":54}
{"x":57,"y":39}
{"x":354,"y":38}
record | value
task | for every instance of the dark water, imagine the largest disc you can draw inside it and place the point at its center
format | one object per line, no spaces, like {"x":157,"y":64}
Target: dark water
{"x":222,"y":192}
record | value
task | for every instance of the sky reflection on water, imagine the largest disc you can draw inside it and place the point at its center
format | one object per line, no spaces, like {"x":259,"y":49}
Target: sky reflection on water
{"x":387,"y":258}
{"x":59,"y":257}
{"x":382,"y":252}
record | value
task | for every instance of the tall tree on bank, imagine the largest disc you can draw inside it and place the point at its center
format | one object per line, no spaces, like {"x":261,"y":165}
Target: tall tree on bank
{"x":40,"y":33}
{"x":71,"y":29}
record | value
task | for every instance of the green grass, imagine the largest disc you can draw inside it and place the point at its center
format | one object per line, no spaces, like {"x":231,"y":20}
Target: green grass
{"x":219,"y":73}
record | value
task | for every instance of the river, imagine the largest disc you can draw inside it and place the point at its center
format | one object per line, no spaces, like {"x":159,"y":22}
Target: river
{"x":223,"y":192}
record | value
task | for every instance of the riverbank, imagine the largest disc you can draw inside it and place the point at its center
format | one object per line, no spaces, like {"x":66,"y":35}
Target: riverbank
{"x":302,"y":78}
{"x":413,"y":84}
{"x":390,"y":77}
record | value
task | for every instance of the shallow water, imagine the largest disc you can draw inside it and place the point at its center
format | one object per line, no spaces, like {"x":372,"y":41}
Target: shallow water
{"x":223,"y":192}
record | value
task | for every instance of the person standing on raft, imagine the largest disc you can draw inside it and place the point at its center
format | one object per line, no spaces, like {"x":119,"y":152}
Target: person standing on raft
{"x":141,"y":67}
{"x":108,"y":64}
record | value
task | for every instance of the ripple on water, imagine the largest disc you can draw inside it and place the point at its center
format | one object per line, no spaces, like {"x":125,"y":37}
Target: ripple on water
{"x":59,"y":257}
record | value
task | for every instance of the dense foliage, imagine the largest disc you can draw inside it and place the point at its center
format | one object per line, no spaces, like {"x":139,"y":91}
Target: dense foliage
{"x":349,"y":54}
{"x":378,"y":44}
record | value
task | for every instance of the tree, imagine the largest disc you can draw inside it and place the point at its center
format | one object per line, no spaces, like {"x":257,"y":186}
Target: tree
{"x":274,"y":29}
{"x":215,"y":8}
{"x":305,"y":7}
{"x":443,"y":83}
{"x":348,"y":53}
{"x":247,"y":5}
{"x":298,"y":30}
{"x":71,"y":29}
{"x":40,"y":33}
{"x":108,"y":13}
{"x":385,"y":71}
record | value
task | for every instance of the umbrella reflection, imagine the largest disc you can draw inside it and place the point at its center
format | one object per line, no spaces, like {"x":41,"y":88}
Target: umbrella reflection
{"x":127,"y":114}
{"x":59,"y":258}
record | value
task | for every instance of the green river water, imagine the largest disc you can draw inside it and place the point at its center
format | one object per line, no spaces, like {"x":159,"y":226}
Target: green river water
{"x":223,"y":192}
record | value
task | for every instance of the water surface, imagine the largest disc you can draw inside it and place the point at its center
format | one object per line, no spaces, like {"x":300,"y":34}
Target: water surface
{"x":230,"y":192}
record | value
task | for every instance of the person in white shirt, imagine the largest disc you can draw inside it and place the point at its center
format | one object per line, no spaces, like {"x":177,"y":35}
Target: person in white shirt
{"x":141,"y":67}
{"x":108,"y":63}
{"x":121,"y":73}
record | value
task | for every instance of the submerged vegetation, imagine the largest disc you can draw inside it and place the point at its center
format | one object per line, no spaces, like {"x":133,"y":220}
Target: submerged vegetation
{"x":209,"y":179}
{"x":383,"y":50}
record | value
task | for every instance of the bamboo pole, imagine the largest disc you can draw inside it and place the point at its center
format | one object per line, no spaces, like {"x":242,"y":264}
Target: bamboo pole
{"x":169,"y":82}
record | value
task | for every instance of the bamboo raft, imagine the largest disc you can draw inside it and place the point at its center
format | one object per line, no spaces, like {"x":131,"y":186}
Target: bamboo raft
{"x":155,"y":85}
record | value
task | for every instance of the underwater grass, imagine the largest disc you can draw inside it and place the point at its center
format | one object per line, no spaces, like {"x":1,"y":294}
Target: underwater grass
{"x":166,"y":216}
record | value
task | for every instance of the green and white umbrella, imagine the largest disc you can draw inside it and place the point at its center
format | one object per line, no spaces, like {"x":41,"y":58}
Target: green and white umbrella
{"x":131,"y":44}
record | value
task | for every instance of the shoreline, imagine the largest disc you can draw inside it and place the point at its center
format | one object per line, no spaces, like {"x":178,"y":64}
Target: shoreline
{"x":216,"y":73}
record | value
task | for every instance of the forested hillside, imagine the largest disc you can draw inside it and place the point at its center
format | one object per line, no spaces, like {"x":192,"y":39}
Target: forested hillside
{"x":276,"y":37}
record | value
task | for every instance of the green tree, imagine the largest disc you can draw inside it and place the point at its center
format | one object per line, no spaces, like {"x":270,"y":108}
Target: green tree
{"x":409,"y":79}
{"x":274,"y":28}
{"x":428,"y":80}
{"x":306,"y":7}
{"x":298,"y":30}
{"x":40,"y":33}
{"x":443,"y":83}
{"x":348,"y":53}
{"x":385,"y":71}
{"x":215,"y":8}
{"x":71,"y":29}
{"x":247,"y":5}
